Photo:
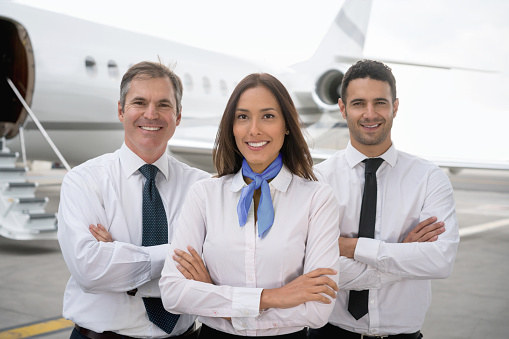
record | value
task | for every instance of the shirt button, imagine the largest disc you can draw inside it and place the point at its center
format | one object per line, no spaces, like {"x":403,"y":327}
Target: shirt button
{"x":373,"y":331}
{"x":371,"y":301}
{"x":246,"y":312}
{"x":149,"y":290}
{"x":244,"y":325}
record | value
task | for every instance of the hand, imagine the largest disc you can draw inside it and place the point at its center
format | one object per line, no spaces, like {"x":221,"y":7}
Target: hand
{"x":426,"y":231}
{"x":191,"y":265}
{"x":308,"y":287}
{"x":100,"y":233}
{"x":347,"y":246}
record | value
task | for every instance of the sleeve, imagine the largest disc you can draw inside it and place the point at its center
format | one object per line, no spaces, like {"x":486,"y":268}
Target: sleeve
{"x":426,"y":260}
{"x":359,"y":276}
{"x":356,"y":275}
{"x":180,"y":295}
{"x":322,"y":251}
{"x":98,"y":266}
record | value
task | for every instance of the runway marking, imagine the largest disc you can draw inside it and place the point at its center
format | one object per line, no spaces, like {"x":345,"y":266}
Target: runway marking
{"x":36,"y":329}
{"x":481,"y":228}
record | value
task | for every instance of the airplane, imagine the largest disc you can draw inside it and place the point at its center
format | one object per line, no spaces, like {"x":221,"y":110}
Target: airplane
{"x":67,"y":72}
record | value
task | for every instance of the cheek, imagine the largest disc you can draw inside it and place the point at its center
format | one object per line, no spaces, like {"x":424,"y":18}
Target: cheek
{"x":237,"y":134}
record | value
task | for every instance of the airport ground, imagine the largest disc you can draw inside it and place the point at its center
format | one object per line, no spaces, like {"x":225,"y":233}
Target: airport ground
{"x":472,"y":303}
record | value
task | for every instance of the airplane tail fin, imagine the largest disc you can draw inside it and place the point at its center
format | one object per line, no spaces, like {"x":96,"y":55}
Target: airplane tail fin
{"x":344,"y":41}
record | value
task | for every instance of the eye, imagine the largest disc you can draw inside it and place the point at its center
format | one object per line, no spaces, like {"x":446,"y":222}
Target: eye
{"x":138,"y":103}
{"x":268,"y":116}
{"x":241,"y":116}
{"x":381,"y":103}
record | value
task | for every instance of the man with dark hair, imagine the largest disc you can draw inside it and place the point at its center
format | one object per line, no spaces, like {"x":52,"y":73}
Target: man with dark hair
{"x":138,"y":192}
{"x":391,"y":244}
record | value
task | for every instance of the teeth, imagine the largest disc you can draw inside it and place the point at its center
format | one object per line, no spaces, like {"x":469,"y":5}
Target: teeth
{"x":146,"y":128}
{"x":257,"y":144}
{"x":372,"y":126}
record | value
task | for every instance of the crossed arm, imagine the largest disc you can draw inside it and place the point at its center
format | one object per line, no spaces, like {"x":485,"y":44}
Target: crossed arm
{"x":426,"y":231}
{"x":312,"y":286}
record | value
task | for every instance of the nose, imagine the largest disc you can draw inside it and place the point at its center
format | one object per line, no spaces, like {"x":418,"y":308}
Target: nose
{"x":151,"y":111}
{"x":370,"y":111}
{"x":254,"y":128}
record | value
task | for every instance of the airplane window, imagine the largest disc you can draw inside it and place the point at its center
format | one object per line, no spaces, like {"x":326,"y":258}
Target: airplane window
{"x":90,"y":66}
{"x":188,"y":82}
{"x":206,"y":85}
{"x":224,"y":87}
{"x":112,"y":69}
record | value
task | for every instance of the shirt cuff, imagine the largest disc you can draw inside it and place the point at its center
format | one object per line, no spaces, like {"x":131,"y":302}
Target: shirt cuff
{"x":157,"y":257}
{"x":149,"y":289}
{"x":367,"y":250}
{"x":245,"y":307}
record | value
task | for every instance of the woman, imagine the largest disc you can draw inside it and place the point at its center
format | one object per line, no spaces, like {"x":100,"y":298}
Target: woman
{"x":266,"y":229}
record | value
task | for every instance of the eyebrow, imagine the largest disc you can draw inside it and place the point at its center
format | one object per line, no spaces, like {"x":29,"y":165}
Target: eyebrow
{"x":262,"y":110}
{"x":143,"y":99}
{"x":362,"y":100}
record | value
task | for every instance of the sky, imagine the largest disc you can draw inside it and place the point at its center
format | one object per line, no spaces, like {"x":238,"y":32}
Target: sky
{"x":464,"y":33}
{"x":450,"y":111}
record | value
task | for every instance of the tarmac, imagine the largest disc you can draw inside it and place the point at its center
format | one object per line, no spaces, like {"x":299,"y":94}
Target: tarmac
{"x":473,"y":302}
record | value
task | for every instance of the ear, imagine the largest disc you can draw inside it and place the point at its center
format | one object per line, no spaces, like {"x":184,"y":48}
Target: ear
{"x":395,"y":108}
{"x":179,"y":117}
{"x":120,"y":113}
{"x":342,"y":108}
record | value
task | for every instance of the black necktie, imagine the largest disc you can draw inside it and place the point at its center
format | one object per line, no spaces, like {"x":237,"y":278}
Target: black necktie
{"x":155,"y":232}
{"x":358,"y":301}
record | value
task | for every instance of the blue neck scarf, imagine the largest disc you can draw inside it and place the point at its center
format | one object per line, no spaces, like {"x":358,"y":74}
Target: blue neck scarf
{"x":265,"y":211}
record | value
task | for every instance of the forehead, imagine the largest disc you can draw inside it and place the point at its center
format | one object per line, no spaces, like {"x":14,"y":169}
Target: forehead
{"x":151,"y":88}
{"x":367,"y":89}
{"x":258,"y":96}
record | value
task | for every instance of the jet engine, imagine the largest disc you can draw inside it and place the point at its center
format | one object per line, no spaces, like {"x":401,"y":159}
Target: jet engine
{"x":328,"y":89}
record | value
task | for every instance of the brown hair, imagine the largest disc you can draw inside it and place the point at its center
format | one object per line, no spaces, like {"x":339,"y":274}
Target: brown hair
{"x":296,"y":156}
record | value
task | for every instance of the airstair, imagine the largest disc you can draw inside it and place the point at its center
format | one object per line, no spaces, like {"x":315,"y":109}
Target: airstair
{"x":22,"y":213}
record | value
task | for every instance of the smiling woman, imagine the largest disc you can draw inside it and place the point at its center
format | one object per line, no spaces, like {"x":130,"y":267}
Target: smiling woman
{"x":259,"y":128}
{"x":266,"y":230}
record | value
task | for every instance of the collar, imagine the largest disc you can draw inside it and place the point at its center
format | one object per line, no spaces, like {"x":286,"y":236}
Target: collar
{"x":131,"y":162}
{"x":280,"y":182}
{"x":354,"y":157}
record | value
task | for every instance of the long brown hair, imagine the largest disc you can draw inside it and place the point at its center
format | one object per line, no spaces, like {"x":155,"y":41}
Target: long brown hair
{"x":296,"y":157}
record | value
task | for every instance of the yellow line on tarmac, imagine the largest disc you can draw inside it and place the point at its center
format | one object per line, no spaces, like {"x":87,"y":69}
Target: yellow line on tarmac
{"x":36,"y":329}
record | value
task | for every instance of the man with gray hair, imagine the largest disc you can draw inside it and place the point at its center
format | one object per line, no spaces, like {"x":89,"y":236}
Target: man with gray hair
{"x":137,"y":192}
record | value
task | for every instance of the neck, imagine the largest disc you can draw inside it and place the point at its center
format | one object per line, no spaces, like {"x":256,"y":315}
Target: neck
{"x":372,"y":151}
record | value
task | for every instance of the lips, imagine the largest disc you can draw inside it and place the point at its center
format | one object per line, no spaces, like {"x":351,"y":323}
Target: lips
{"x":150,"y":128}
{"x":371,"y":125}
{"x":257,"y":144}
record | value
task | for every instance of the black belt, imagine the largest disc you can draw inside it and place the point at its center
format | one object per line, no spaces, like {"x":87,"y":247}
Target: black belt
{"x":191,"y":332}
{"x":209,"y":332}
{"x":331,"y":330}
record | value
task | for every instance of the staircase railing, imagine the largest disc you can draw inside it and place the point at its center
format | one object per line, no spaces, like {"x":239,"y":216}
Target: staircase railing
{"x":39,"y":126}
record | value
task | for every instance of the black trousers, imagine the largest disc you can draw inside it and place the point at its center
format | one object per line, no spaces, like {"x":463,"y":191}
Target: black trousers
{"x":75,"y":334}
{"x":331,"y":331}
{"x":210,"y":333}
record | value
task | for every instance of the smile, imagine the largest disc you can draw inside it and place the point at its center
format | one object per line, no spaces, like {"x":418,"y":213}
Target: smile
{"x":147,"y":128}
{"x":257,"y":144}
{"x":371,"y":126}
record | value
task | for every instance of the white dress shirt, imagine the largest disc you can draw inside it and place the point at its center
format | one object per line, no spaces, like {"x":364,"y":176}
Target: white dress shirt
{"x":108,"y":190}
{"x":397,"y":275}
{"x":241,"y":264}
